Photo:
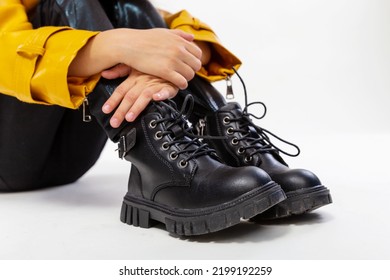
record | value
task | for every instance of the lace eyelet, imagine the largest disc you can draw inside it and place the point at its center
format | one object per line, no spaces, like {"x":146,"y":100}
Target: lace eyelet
{"x":158,"y":135}
{"x":229,"y":131}
{"x":173,"y":156}
{"x":183,"y":163}
{"x":240,"y":151}
{"x":234,"y":141}
{"x":226,"y":120}
{"x":248,"y":159}
{"x":165,"y":146}
{"x":152,"y":124}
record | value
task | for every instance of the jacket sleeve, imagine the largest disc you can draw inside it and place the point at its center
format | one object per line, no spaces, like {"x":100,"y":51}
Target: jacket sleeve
{"x":222,"y":60}
{"x":34,"y":62}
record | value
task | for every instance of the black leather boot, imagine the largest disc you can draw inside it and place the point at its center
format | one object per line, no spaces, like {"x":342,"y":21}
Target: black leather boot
{"x":175,"y":179}
{"x":247,"y":144}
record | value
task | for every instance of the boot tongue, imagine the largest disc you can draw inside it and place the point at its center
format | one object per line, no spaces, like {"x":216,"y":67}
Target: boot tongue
{"x":164,"y":111}
{"x":235,"y":109}
{"x":176,"y":124}
{"x":232,"y":107}
{"x":177,"y":131}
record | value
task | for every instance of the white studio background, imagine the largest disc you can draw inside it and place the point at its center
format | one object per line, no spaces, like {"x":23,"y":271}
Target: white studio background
{"x":318,"y":65}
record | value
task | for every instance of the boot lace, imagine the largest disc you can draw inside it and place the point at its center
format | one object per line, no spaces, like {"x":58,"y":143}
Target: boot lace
{"x":180,"y":130}
{"x":261,"y":140}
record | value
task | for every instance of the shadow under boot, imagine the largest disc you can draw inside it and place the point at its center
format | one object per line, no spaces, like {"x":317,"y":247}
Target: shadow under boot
{"x":246,"y":144}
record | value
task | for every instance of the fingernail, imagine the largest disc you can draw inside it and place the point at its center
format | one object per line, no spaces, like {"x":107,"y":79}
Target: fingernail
{"x":157,"y":96}
{"x":130,"y":116}
{"x":106,"y":108}
{"x":114,"y":122}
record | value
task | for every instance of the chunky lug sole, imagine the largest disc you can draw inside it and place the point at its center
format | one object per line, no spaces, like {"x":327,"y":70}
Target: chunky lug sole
{"x":298,"y":202}
{"x":144,"y":213}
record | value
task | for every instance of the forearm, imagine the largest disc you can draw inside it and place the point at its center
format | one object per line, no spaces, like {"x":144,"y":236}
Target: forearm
{"x":102,"y":52}
{"x":96,"y":56}
{"x":167,"y":54}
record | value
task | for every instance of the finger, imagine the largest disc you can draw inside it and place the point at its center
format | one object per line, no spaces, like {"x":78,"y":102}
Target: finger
{"x":120,"y":113}
{"x":182,"y":55}
{"x":176,"y":71}
{"x":186,"y":71}
{"x":117,"y":96}
{"x":184,"y":35}
{"x":119,"y":70}
{"x":165,"y":93}
{"x":188,"y":53}
{"x":139,"y":105}
{"x":194,"y":62}
{"x":147,"y":96}
{"x":175,"y":78}
{"x":194,"y":49}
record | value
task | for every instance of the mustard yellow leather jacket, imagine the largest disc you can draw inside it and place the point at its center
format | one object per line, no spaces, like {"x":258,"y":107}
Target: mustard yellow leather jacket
{"x":34,"y":62}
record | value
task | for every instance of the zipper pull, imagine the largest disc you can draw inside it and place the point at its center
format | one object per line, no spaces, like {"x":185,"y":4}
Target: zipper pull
{"x":229,"y":88}
{"x":86,"y":117}
{"x":200,"y":126}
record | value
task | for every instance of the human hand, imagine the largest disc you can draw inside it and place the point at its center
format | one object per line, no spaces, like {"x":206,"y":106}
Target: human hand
{"x":132,"y":96}
{"x":168,"y":54}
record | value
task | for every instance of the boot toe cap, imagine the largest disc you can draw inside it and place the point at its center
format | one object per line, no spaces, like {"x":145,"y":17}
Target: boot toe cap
{"x":295,"y":179}
{"x":240,"y":180}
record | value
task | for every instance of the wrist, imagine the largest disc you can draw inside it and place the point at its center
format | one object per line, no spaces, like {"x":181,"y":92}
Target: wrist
{"x":107,"y":48}
{"x":94,"y":57}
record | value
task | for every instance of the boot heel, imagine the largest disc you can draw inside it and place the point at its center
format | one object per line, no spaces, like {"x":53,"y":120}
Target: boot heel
{"x":135,"y":216}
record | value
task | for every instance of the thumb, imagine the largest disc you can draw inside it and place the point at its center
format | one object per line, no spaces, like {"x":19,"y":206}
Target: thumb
{"x":119,"y":70}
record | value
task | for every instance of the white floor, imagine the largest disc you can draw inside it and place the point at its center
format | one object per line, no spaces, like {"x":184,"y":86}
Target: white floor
{"x":81,"y":220}
{"x":322,"y":67}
